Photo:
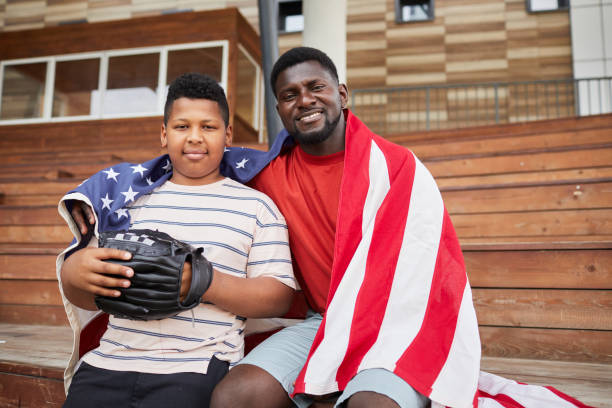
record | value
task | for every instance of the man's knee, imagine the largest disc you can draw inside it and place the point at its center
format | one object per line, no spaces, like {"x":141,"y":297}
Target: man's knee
{"x":364,"y":399}
{"x":249,"y":386}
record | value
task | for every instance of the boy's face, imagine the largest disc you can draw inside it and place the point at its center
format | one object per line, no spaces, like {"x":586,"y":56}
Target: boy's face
{"x":196,"y":138}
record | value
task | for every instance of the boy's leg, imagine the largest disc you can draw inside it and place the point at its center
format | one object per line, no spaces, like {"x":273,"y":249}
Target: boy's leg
{"x":184,"y":390}
{"x":265,"y":377}
{"x":95,"y":387}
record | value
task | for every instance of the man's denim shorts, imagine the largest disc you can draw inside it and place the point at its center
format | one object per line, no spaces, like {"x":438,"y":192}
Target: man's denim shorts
{"x":284,"y":353}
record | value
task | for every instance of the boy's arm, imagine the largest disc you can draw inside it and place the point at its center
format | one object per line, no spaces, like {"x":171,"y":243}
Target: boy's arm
{"x":84,"y":275}
{"x":263,"y":296}
{"x":81,"y":212}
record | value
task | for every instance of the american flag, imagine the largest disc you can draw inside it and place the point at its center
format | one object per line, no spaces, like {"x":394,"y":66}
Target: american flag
{"x":399,"y":296}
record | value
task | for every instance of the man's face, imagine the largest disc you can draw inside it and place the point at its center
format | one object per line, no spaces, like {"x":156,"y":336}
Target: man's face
{"x":310,"y":102}
{"x":196,"y":137}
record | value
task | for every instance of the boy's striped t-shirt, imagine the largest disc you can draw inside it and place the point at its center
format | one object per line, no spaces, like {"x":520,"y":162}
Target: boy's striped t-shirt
{"x":243,"y":234}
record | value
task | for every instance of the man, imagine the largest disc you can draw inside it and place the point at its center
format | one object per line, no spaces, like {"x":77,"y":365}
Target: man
{"x":356,"y":282}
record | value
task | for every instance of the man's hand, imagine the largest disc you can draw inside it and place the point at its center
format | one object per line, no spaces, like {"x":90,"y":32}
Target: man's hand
{"x":81,"y":212}
{"x":86,"y":274}
{"x":185,"y":280}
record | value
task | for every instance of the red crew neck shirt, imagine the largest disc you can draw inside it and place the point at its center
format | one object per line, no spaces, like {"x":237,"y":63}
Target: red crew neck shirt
{"x":306,"y":189}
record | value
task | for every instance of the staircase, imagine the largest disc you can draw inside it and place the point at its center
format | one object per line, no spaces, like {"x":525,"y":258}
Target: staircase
{"x":531,"y":204}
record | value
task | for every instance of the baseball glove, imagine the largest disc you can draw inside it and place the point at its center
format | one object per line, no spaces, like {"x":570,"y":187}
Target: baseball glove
{"x":157,"y":261}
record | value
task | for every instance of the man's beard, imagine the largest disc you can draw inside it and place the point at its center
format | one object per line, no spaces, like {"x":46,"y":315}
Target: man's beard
{"x":322,"y":135}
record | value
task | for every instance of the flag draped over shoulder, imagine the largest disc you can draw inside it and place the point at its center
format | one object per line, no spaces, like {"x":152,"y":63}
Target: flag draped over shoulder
{"x":399,"y":297}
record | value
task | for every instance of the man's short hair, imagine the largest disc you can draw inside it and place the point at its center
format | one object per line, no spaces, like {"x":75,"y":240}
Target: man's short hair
{"x":298,"y":55}
{"x":193,"y":85}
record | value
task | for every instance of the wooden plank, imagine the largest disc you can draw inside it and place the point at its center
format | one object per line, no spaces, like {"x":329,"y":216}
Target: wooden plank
{"x":20,"y":391}
{"x":27,"y":266}
{"x":560,"y":269}
{"x":530,"y":198}
{"x":574,"y":123}
{"x":496,"y":164}
{"x":29,"y":292}
{"x":49,"y":315}
{"x":31,"y":215}
{"x":37,"y":233}
{"x":580,"y":223}
{"x":538,"y":242}
{"x":47,"y":347}
{"x":24,"y":200}
{"x":528,"y":179}
{"x":548,"y":344}
{"x":532,"y":143}
{"x":544,"y":308}
{"x":20,"y":187}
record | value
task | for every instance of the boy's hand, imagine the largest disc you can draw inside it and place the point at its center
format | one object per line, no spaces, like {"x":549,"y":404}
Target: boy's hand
{"x":81,"y":212}
{"x":87,"y":271}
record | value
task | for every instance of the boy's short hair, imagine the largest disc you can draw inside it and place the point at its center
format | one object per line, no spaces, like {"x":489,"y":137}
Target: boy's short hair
{"x":298,"y":55}
{"x":196,"y":86}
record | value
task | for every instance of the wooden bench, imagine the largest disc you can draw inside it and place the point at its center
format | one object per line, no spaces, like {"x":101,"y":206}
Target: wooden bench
{"x":531,"y":205}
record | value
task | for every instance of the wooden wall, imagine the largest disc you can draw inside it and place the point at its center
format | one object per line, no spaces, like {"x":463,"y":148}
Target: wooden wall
{"x":469,"y":40}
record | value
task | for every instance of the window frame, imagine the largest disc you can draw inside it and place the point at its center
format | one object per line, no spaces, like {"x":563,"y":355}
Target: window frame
{"x":283,"y":31}
{"x":531,"y":11}
{"x":398,"y":13}
{"x":162,"y":80}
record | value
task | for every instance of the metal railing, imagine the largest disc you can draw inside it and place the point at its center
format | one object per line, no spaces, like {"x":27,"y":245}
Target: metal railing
{"x":405,"y":109}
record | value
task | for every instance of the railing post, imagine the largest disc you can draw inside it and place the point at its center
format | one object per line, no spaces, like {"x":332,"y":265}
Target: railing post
{"x":427,"y":108}
{"x":496,"y":104}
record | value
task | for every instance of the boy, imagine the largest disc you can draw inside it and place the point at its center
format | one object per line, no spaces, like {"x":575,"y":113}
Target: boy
{"x":178,"y":360}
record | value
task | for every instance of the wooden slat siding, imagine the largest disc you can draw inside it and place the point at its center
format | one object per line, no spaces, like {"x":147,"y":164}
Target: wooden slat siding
{"x":38,"y":215}
{"x":27,"y":266}
{"x":547,"y":344}
{"x":20,"y":391}
{"x":581,"y":225}
{"x":30,"y":292}
{"x":549,"y":269}
{"x":366,"y":44}
{"x":503,"y":130}
{"x":48,"y":315}
{"x":534,"y":143}
{"x":495,"y":164}
{"x":36,"y":187}
{"x":544,"y":308}
{"x":47,"y":234}
{"x":540,"y":242}
{"x":532,"y":198}
{"x":130,"y":33}
{"x":578,"y":177}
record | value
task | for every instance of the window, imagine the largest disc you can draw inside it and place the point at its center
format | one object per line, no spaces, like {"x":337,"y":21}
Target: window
{"x":247,"y":91}
{"x":105,"y":84}
{"x":23,"y":91}
{"x":290,"y":17}
{"x":407,"y":11}
{"x":534,"y":6}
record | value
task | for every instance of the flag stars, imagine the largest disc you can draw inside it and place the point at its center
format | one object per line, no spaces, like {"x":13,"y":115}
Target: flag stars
{"x":122,"y":212}
{"x":106,"y":202}
{"x":149,"y":181}
{"x":139,"y":169}
{"x":168,"y":166}
{"x":129,"y":195}
{"x":111,"y":174}
{"x":242,"y":163}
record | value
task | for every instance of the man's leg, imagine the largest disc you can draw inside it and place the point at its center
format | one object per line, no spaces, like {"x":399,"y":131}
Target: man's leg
{"x":380,"y":388}
{"x":265,"y":377}
{"x":247,"y":385}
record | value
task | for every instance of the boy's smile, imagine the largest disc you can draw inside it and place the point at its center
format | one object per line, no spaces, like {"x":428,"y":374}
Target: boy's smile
{"x":196,"y":137}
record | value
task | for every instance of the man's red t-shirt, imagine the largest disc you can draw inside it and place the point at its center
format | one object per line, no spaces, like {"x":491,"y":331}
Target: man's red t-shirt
{"x":306,"y":189}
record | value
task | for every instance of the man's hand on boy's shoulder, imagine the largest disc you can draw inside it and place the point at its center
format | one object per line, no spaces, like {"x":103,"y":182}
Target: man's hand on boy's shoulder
{"x":80,"y":213}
